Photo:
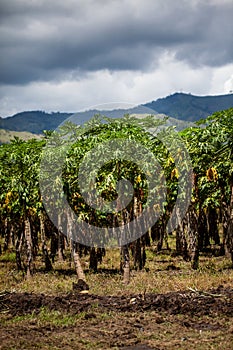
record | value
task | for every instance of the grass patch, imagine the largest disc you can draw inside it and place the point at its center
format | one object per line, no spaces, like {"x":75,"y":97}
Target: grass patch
{"x":157,"y":277}
{"x":8,"y":257}
{"x":47,"y":317}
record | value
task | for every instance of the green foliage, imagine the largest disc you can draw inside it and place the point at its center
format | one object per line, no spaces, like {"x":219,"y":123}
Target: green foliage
{"x":19,"y":177}
{"x":72,"y":145}
{"x":210,"y":145}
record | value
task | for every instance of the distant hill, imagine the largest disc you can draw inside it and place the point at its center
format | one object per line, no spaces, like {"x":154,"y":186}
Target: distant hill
{"x":191,"y":108}
{"x":184,"y":108}
{"x":7,"y":135}
{"x":37,"y":121}
{"x":33,"y":121}
{"x":138,"y":111}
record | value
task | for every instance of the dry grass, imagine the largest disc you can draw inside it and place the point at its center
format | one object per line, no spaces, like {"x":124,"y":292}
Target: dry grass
{"x":163,"y":273}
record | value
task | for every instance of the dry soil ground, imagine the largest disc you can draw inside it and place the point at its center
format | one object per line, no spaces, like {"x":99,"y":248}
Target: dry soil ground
{"x":162,"y":308}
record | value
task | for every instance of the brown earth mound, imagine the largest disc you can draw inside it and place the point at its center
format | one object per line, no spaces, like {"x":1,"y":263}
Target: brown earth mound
{"x":214,"y":302}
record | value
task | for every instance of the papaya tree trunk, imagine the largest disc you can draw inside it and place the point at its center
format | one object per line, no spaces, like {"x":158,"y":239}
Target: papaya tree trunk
{"x":137,"y":254}
{"x":193,"y":238}
{"x":178,"y":233}
{"x":204,"y":230}
{"x":77,"y":263}
{"x":93,"y":260}
{"x":7,"y":234}
{"x":75,"y":250}
{"x":224,"y":214}
{"x":48,"y":265}
{"x":125,"y":264}
{"x":229,"y":237}
{"x":60,"y":239}
{"x":162,"y":233}
{"x":18,"y":249}
{"x":29,"y":248}
{"x":212,"y":219}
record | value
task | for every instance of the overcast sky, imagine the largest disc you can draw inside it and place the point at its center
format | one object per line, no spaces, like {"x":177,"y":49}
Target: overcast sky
{"x":69,"y":55}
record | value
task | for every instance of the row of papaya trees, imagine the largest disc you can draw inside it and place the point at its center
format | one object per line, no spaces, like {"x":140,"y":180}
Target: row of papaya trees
{"x":45,"y":211}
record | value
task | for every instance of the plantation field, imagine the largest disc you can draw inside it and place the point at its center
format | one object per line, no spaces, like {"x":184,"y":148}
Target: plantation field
{"x":166,"y":305}
{"x":166,"y":199}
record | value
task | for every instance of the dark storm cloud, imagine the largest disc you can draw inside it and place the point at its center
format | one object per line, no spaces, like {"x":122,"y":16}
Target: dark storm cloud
{"x":49,"y":40}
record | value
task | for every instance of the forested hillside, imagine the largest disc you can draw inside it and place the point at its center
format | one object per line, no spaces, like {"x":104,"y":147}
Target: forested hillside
{"x":191,"y":108}
{"x":33,"y":121}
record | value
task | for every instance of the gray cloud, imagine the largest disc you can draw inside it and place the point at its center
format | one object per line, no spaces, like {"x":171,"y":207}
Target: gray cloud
{"x":53,"y":40}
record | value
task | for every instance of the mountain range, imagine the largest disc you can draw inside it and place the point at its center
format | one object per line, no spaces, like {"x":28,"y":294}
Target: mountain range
{"x":191,"y":108}
{"x":181,"y":108}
